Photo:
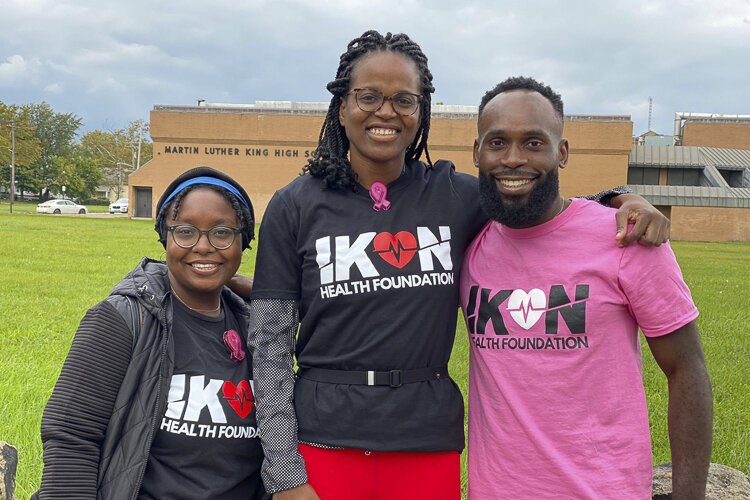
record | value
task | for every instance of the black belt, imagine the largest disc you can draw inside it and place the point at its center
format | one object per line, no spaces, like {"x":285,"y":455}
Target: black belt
{"x":392,"y":378}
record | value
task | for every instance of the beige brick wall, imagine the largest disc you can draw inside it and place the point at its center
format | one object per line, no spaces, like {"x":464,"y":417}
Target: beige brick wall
{"x":265,"y":152}
{"x":710,"y":224}
{"x":717,"y":135}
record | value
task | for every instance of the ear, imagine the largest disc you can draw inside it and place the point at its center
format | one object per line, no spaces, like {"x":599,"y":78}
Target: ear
{"x":563,"y":153}
{"x":476,"y":153}
{"x":342,"y":108}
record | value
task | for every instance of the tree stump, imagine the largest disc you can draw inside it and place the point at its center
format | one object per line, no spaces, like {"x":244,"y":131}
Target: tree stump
{"x":8,"y":466}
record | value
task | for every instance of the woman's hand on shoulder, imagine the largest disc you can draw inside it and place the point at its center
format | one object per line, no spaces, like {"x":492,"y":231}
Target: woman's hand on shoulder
{"x":651,"y":227}
{"x":241,"y":285}
{"x":303,"y":492}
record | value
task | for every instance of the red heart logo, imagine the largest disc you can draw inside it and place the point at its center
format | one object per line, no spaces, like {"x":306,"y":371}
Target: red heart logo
{"x":239,"y":397}
{"x":398,"y":249}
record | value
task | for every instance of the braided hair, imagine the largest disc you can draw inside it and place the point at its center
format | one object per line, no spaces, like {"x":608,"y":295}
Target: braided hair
{"x":330,"y":161}
{"x":172,"y":209}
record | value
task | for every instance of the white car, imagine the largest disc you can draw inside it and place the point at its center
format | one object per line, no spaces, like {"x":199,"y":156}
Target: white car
{"x":119,"y":207}
{"x":60,"y":207}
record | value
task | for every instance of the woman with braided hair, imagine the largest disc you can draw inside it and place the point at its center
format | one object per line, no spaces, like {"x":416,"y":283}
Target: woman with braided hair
{"x":357,"y":275}
{"x":330,"y":162}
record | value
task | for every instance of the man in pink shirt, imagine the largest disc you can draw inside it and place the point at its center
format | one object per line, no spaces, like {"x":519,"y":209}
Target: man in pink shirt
{"x":553,"y":306}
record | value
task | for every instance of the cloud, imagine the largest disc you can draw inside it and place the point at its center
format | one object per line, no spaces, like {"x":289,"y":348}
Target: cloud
{"x":17,"y":71}
{"x":53,"y":88}
{"x":111,"y":61}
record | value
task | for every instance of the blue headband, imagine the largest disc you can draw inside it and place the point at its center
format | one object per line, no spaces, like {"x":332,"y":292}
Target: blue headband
{"x":212,"y":181}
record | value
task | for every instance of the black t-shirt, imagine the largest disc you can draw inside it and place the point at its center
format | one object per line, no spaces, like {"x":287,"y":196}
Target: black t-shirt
{"x":206,"y":445}
{"x":378,"y":290}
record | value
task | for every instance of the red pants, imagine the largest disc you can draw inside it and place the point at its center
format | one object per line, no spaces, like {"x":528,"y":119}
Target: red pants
{"x":351,"y":474}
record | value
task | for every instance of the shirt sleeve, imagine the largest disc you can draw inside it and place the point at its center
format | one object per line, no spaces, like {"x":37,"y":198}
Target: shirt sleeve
{"x":604,"y":197}
{"x":657,"y":295}
{"x":273,"y":331}
{"x":278,"y":263}
{"x":77,"y":414}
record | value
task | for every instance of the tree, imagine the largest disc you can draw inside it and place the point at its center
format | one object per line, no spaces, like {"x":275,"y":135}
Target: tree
{"x":28,"y":146}
{"x":78,"y":173}
{"x":138,"y":133}
{"x":56,"y":133}
{"x":117,"y":154}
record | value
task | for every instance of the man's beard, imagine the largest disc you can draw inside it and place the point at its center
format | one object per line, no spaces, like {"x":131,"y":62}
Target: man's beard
{"x":510,"y":210}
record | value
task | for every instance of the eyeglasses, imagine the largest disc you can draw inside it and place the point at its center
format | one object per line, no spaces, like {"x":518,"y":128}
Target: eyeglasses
{"x":404,"y":103}
{"x":187,"y":236}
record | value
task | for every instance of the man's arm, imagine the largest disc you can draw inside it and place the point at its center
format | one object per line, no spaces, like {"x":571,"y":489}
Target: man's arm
{"x":651,"y":227}
{"x":241,"y":285}
{"x":680,"y":356}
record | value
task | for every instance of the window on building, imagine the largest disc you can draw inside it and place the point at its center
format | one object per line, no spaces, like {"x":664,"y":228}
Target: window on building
{"x":684,"y":176}
{"x":733,"y":177}
{"x":643,"y":176}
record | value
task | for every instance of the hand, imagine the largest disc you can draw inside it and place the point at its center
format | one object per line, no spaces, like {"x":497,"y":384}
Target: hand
{"x":651,"y":227}
{"x":304,"y":492}
{"x":241,"y":285}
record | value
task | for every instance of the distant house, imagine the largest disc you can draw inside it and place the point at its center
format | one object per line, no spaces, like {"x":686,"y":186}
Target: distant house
{"x":110,"y":193}
{"x":652,"y":138}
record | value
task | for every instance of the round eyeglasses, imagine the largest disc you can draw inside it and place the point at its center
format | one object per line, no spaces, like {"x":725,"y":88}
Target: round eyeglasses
{"x":370,"y":100}
{"x":187,"y":236}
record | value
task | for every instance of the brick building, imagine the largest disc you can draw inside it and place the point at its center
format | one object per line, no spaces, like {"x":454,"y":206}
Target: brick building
{"x":265,"y":145}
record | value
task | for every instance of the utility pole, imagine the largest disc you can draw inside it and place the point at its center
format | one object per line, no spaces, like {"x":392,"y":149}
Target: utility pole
{"x":12,"y":164}
{"x":140,"y":139}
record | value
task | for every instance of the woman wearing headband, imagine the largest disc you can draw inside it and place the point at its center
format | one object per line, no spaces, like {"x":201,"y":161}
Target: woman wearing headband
{"x":155,"y":397}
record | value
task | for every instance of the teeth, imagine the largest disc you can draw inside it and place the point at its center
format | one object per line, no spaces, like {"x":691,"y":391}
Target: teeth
{"x":204,"y":267}
{"x":514,"y":182}
{"x":382,"y":131}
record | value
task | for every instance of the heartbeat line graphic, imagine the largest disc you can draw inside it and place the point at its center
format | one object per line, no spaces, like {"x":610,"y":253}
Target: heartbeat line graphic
{"x":567,"y":305}
{"x":239,"y":397}
{"x":437,"y":244}
{"x":396,"y":247}
{"x":526,"y":307}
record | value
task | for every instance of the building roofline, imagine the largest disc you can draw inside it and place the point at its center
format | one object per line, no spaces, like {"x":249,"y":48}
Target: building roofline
{"x":689,"y":156}
{"x":712,"y":117}
{"x":446,"y":111}
{"x":694,"y":196}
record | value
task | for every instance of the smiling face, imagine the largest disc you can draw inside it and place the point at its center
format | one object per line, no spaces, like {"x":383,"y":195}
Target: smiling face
{"x":198,"y":273}
{"x":378,"y":140}
{"x":518,"y":152}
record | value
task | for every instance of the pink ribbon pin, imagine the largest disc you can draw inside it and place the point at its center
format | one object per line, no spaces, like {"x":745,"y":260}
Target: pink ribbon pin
{"x":233,"y":341}
{"x":378,"y":193}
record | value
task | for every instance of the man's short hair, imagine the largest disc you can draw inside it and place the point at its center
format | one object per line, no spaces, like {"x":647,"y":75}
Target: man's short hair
{"x":524,"y":83}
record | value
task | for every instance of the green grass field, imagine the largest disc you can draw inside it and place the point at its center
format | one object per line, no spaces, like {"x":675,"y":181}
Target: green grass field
{"x":54,"y":268}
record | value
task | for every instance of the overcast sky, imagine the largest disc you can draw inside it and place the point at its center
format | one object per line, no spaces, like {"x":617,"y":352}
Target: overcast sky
{"x":111,"y":61}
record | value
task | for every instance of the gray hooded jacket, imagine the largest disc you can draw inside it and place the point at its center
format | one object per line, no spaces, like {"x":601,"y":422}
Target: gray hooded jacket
{"x":97,"y":442}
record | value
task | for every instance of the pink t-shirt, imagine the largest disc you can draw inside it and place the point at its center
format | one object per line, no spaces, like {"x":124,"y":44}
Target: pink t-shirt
{"x":556,"y":401}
